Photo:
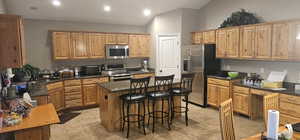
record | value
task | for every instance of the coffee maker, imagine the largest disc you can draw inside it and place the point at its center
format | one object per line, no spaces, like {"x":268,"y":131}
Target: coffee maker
{"x":145,"y":65}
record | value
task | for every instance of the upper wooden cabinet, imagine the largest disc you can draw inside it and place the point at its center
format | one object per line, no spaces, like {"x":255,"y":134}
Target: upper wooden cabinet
{"x":294,"y":47}
{"x":96,"y":45}
{"x":263,"y":41}
{"x":209,"y":37}
{"x":247,"y":42}
{"x":61,"y":41}
{"x":227,"y":43}
{"x":197,"y":37}
{"x":12,"y":45}
{"x":79,"y":45}
{"x":121,"y":39}
{"x":280,"y":41}
{"x":139,"y":45}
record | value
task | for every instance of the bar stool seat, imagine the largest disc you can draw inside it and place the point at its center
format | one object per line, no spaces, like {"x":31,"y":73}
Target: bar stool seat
{"x":154,"y":95}
{"x":133,"y":98}
{"x":181,"y":91}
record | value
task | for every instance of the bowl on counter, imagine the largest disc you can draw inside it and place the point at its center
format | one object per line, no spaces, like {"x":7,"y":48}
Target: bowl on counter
{"x":233,"y":74}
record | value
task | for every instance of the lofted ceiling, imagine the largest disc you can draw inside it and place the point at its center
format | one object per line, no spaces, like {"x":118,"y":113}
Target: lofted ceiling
{"x":129,"y":12}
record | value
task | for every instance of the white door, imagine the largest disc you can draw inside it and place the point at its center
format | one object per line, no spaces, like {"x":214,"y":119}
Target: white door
{"x":168,"y":56}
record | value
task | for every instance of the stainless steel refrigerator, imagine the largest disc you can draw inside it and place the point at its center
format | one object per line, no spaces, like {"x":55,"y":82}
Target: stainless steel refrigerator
{"x":201,"y":60}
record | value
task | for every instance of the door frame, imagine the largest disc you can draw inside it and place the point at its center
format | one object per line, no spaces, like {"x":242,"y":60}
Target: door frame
{"x":157,"y":65}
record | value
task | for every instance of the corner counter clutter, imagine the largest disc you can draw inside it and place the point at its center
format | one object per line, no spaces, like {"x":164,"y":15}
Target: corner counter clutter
{"x":36,"y":126}
{"x":110,"y":102}
{"x":253,"y":101}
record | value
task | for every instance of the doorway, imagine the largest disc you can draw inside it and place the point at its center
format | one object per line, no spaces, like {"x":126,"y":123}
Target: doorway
{"x":168,"y":55}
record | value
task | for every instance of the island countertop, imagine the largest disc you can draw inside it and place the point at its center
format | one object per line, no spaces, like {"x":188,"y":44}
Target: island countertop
{"x":117,"y":86}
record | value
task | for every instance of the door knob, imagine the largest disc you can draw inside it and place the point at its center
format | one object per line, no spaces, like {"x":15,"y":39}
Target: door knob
{"x":160,"y":70}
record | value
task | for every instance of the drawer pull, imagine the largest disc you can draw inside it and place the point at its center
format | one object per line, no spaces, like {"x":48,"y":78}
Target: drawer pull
{"x":105,"y":97}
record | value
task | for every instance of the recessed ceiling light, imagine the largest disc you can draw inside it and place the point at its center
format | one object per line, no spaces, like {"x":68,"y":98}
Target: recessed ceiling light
{"x":56,"y":3}
{"x":147,"y":12}
{"x":107,"y":8}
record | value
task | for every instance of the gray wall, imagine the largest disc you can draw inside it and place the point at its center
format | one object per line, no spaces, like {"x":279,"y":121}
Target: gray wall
{"x":2,"y":7}
{"x":38,"y":40}
{"x":213,"y":14}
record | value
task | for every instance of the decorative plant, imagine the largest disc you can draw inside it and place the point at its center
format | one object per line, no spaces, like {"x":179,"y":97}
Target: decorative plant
{"x":241,"y":17}
{"x":28,"y":71}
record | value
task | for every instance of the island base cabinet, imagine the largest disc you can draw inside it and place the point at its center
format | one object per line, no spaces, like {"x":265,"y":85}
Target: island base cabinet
{"x":110,"y":108}
{"x":39,"y":133}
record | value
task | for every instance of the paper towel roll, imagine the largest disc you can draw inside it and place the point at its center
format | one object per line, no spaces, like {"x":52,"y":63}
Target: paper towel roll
{"x":273,"y":124}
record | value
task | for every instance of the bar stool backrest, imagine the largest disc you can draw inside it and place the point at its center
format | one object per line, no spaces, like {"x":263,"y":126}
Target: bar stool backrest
{"x":163,"y":83}
{"x":139,"y":86}
{"x":187,"y":81}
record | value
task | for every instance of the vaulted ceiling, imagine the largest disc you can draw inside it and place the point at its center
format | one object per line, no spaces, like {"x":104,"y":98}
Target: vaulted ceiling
{"x":129,"y":12}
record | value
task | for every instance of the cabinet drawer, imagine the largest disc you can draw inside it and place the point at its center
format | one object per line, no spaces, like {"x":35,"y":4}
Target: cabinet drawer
{"x":74,"y":103}
{"x":73,"y":89}
{"x":289,"y":99}
{"x":94,"y":80}
{"x":286,"y":119}
{"x":241,"y":89}
{"x":72,"y":83}
{"x":260,"y":92}
{"x":218,"y":82}
{"x":73,"y":96}
{"x":290,"y":108}
{"x":55,"y":85}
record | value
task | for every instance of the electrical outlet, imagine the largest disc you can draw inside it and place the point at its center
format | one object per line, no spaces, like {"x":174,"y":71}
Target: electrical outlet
{"x":228,"y":67}
{"x":262,"y":70}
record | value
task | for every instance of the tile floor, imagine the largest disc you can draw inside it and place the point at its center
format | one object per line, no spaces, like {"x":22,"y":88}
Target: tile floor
{"x":203,"y":125}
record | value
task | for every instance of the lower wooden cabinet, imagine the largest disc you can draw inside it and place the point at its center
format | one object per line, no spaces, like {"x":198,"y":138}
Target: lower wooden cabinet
{"x":217,"y":94}
{"x":89,"y":94}
{"x":41,"y":100}
{"x":56,"y":97}
{"x":241,"y":100}
{"x":73,"y":93}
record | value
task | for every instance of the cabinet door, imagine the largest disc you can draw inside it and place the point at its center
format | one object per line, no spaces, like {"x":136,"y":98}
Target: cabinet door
{"x":223,"y":94}
{"x":144,"y":43}
{"x":110,"y":39}
{"x":247,"y":49}
{"x":61,"y":45}
{"x":134,"y":46}
{"x":221,"y":43}
{"x":41,"y":100}
{"x":280,"y":41}
{"x":56,"y":97}
{"x":96,"y":45}
{"x":212,"y":95}
{"x":122,"y":39}
{"x":90,"y":94}
{"x":12,"y":47}
{"x":241,"y":103}
{"x":197,"y":38}
{"x":79,"y":45}
{"x":209,"y":37}
{"x":263,"y":41}
{"x":294,"y":53}
{"x":232,"y":44}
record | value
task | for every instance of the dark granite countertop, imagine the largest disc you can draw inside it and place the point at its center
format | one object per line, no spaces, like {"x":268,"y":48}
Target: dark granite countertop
{"x":117,"y":86}
{"x":224,"y":76}
{"x":76,"y":77}
{"x":290,"y":88}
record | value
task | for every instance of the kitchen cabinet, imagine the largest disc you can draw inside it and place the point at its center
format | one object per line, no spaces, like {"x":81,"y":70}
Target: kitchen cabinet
{"x":79,"y":45}
{"x":241,"y":100}
{"x":209,"y":37}
{"x":232,"y":42}
{"x":263,"y":41}
{"x":41,"y":100}
{"x":56,"y":95}
{"x":289,"y":107}
{"x":139,"y":46}
{"x":221,"y":43}
{"x":197,"y":38}
{"x":96,"y":45}
{"x":91,"y":91}
{"x":73,"y":93}
{"x":294,"y":39}
{"x":218,"y":91}
{"x":121,"y":39}
{"x":12,"y":45}
{"x":280,"y":41}
{"x":247,"y":43}
{"x":61,"y":45}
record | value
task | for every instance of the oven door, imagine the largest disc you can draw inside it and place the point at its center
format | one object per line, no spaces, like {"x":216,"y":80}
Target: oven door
{"x":117,"y":51}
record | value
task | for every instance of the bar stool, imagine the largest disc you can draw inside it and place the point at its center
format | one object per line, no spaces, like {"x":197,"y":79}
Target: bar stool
{"x":184,"y":90}
{"x":162,"y":87}
{"x":136,"y":96}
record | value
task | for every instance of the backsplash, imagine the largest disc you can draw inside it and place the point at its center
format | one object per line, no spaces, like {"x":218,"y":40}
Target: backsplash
{"x":130,"y":62}
{"x":263,"y":68}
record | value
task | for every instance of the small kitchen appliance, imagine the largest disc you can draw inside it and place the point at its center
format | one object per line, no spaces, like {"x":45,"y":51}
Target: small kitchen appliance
{"x":117,"y":51}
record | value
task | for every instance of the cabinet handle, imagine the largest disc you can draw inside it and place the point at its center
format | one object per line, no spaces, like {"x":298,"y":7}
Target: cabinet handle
{"x":105,"y":97}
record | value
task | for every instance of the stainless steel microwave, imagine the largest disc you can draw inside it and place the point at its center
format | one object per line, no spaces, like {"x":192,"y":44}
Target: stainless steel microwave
{"x":117,"y":51}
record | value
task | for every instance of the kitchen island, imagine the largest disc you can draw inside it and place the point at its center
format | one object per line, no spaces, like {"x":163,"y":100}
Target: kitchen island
{"x":110,"y":104}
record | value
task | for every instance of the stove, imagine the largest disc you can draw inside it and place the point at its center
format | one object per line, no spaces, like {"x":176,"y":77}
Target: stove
{"x":117,"y":72}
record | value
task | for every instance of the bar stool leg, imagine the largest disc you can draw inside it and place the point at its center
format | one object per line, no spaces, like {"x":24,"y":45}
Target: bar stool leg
{"x":172,"y":109}
{"x":186,"y":110}
{"x":162,"y":111}
{"x":149,"y":113}
{"x":123,"y":117}
{"x":139,"y":116}
{"x":168,"y":113}
{"x":128,"y":119}
{"x":144,"y":117}
{"x":153,"y":115}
